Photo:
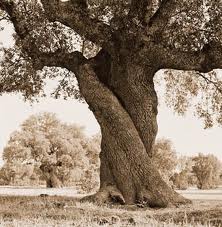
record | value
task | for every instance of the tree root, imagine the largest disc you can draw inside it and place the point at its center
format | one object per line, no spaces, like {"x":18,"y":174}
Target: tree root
{"x":109,"y":194}
{"x":146,"y":198}
{"x":180,"y":200}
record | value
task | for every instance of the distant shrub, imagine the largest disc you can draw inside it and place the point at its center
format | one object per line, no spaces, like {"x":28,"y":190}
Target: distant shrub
{"x":207,"y":169}
{"x":180,"y":180}
{"x":183,"y":178}
{"x":164,"y":158}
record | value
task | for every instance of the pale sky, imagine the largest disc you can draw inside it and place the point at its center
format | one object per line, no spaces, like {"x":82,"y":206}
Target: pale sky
{"x":186,"y":133}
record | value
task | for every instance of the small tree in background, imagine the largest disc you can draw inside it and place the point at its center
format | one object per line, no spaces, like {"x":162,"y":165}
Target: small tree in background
{"x":183,"y":177}
{"x":16,"y":172}
{"x":55,"y":148}
{"x":180,"y":180}
{"x":7,"y":174}
{"x":91,"y":178}
{"x":164,"y":158}
{"x":207,"y":169}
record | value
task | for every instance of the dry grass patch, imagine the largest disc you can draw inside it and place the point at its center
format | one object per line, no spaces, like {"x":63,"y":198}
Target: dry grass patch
{"x":65,"y":211}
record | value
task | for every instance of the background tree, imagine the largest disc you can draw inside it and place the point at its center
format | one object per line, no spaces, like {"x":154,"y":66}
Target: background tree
{"x":183,"y":176}
{"x":17,"y":173}
{"x":180,"y":180}
{"x":90,"y":182}
{"x":117,"y":81}
{"x":164,"y":158}
{"x":7,"y":174}
{"x":54,"y":147}
{"x":207,"y":169}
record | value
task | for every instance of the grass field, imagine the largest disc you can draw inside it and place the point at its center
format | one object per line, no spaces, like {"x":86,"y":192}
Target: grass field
{"x":192,"y":193}
{"x":26,"y":210}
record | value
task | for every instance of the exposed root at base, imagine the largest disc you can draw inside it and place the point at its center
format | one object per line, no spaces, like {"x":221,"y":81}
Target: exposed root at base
{"x":180,"y":200}
{"x":111,"y":195}
{"x":148,"y":199}
{"x":108,"y":194}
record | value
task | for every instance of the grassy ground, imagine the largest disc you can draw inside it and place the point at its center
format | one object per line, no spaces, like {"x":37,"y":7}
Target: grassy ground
{"x":68,"y":211}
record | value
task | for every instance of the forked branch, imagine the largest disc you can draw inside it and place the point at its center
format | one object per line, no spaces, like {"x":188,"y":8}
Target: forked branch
{"x":74,"y":15}
{"x":58,"y":58}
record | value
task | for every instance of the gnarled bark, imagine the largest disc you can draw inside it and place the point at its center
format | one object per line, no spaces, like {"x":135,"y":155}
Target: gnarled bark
{"x":127,"y":172}
{"x":136,"y":91}
{"x":133,"y":84}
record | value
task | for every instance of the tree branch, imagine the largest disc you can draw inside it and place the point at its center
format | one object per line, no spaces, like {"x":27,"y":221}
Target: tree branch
{"x":58,"y":58}
{"x":210,"y":81}
{"x":70,"y":61}
{"x":205,"y":60}
{"x":162,"y":57}
{"x":163,"y":10}
{"x":74,"y":15}
{"x":4,"y":4}
{"x":9,"y":8}
{"x":5,"y":7}
{"x":142,"y":10}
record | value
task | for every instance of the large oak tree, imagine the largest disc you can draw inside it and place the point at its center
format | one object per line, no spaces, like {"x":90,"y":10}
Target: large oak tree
{"x":124,"y":44}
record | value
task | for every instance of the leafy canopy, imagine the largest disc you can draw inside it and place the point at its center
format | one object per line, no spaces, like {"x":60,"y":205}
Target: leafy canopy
{"x":168,"y":34}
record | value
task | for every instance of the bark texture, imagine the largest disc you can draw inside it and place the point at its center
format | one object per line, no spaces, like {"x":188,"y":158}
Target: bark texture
{"x":127,"y":172}
{"x":137,"y":94}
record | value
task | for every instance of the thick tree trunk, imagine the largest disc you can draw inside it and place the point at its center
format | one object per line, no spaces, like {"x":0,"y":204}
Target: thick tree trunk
{"x":49,"y":183}
{"x":127,"y":173}
{"x":52,"y":181}
{"x":136,"y":91}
